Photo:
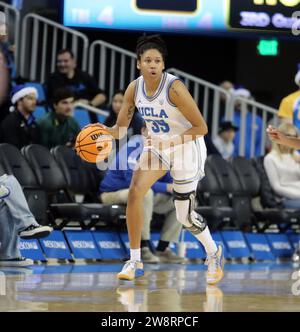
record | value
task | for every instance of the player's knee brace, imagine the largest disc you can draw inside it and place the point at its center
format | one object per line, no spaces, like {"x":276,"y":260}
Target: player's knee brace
{"x":186,"y":214}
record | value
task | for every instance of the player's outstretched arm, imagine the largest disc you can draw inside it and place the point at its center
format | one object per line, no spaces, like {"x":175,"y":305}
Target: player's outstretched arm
{"x":276,"y":136}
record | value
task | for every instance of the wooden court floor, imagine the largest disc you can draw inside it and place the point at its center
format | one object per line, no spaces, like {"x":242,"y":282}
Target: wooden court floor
{"x":164,"y":288}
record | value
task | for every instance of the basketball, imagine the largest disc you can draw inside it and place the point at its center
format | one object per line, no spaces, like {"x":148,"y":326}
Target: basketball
{"x":93,"y":144}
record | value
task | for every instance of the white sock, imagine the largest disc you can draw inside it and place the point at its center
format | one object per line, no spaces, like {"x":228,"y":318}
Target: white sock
{"x":207,"y":241}
{"x":135,"y":255}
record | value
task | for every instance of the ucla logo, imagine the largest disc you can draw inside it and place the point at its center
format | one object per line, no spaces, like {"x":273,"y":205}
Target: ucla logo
{"x":150,"y":111}
{"x":286,"y":3}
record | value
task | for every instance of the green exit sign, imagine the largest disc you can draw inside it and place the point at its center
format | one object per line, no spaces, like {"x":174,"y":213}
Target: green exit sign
{"x":268,"y":47}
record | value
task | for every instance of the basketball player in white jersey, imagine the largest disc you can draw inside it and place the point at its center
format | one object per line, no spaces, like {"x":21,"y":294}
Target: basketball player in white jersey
{"x":172,"y":117}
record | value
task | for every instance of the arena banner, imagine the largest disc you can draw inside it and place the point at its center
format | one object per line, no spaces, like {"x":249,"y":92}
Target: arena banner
{"x":218,"y":238}
{"x":83,"y":245}
{"x":194,"y":249}
{"x":236,"y":244}
{"x":109,"y":245}
{"x":260,"y":247}
{"x":280,"y":245}
{"x":31,"y":249}
{"x":55,"y":246}
{"x":294,"y":240}
{"x":125,"y":241}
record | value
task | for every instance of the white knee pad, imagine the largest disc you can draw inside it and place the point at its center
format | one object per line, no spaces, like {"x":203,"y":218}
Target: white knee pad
{"x":186,"y":215}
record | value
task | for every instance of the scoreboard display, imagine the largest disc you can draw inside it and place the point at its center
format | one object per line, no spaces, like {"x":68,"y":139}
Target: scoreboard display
{"x":185,"y":16}
{"x":263,"y":15}
{"x":185,"y":6}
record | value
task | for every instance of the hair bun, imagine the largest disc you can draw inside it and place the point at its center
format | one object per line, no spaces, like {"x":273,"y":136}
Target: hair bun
{"x":155,"y":40}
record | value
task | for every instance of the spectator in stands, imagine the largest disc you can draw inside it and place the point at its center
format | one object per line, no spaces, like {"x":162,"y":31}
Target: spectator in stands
{"x":224,"y":140}
{"x":210,"y":146}
{"x":283,"y":170}
{"x":114,"y":109}
{"x":19,"y":127}
{"x":289,"y":109}
{"x":16,"y":221}
{"x":58,"y":127}
{"x":257,"y":129}
{"x":280,"y":138}
{"x":80,"y":83}
{"x":116,"y":104}
{"x":228,"y":86}
{"x":5,"y":79}
{"x":114,"y":189}
{"x":4,"y":86}
{"x":8,"y":50}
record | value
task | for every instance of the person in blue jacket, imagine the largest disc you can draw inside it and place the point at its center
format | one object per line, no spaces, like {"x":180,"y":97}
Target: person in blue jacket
{"x":114,"y":189}
{"x":252,"y":127}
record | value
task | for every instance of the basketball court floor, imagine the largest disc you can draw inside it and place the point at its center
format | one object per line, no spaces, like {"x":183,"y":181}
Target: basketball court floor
{"x":164,"y":288}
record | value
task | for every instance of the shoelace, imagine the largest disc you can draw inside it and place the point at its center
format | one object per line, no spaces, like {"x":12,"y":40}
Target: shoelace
{"x":213,"y":262}
{"x":130,"y":264}
{"x":31,"y":227}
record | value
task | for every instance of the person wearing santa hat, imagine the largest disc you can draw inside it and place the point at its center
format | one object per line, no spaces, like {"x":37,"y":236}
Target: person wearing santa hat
{"x":19,"y":127}
{"x":289,"y":109}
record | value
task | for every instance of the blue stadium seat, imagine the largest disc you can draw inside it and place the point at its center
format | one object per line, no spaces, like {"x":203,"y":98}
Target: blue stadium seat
{"x":39,"y":112}
{"x":102,"y":118}
{"x":82,"y":116}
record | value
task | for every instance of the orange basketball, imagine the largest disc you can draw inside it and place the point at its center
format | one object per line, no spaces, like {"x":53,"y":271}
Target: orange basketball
{"x":93,"y":144}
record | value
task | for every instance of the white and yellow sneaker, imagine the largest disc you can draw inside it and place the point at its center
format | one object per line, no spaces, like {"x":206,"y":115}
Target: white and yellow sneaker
{"x":215,"y":266}
{"x":131,"y":270}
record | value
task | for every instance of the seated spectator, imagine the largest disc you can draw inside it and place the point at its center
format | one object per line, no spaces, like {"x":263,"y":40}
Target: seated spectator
{"x":114,"y":109}
{"x":224,"y":140}
{"x":16,"y":221}
{"x":210,"y":146}
{"x":240,"y":92}
{"x":5,"y":72}
{"x":283,"y":170}
{"x":114,"y":189}
{"x":8,"y":50}
{"x":58,"y":127}
{"x":278,"y":137}
{"x":116,"y":104}
{"x":83,"y":85}
{"x":19,"y":127}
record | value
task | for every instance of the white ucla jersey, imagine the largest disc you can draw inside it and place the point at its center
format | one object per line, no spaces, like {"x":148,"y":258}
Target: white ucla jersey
{"x":162,"y":117}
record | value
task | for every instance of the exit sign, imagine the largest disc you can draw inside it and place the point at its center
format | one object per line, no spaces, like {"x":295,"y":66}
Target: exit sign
{"x":268,"y":47}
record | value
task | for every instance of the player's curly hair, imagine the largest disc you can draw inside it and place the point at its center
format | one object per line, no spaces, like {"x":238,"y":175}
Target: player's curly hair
{"x":146,"y":43}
